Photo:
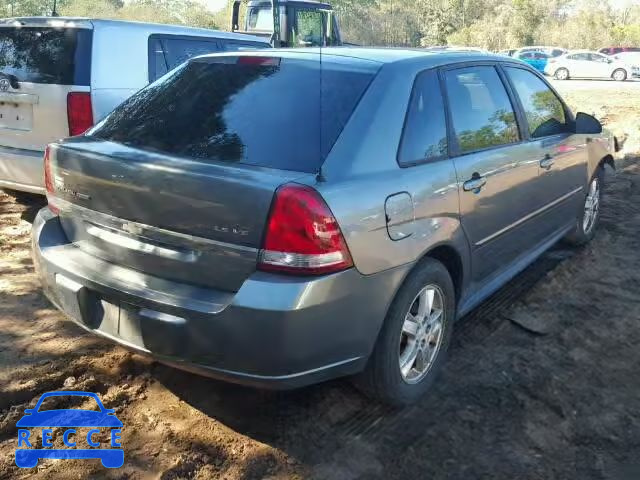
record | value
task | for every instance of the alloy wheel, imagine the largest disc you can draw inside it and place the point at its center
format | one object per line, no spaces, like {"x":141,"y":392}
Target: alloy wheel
{"x":422,"y":334}
{"x":591,"y":206}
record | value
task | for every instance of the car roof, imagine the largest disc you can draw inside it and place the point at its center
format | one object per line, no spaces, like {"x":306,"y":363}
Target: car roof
{"x":389,"y":55}
{"x":84,"y":22}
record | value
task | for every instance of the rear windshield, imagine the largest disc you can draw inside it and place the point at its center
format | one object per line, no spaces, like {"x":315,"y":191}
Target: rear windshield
{"x":46,"y":55}
{"x":273,"y":112}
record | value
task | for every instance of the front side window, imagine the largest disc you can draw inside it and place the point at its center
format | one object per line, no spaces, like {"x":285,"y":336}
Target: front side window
{"x":544,"y":111}
{"x":309,"y":28}
{"x":425,"y":131}
{"x":481,"y":112}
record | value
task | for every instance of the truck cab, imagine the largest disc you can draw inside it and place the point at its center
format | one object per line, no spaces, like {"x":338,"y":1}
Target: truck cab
{"x":289,"y":23}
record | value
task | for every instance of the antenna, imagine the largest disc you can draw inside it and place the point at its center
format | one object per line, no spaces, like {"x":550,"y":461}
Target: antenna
{"x":53,"y":12}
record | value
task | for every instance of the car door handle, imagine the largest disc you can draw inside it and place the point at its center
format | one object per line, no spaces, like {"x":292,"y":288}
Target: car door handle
{"x":474,"y":184}
{"x":547,"y":162}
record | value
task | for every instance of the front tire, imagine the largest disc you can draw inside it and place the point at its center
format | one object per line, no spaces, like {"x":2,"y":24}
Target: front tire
{"x":414,"y":339}
{"x":589,"y":216}
{"x":619,"y":75}
{"x":561,"y":74}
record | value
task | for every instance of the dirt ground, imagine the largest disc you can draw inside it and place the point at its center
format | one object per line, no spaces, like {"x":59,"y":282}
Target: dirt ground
{"x":542,"y":381}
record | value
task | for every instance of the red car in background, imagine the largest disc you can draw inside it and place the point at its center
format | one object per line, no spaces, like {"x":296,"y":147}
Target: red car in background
{"x":616,"y":50}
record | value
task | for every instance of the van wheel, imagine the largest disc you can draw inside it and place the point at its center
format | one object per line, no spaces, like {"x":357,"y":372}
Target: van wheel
{"x":414,"y":339}
{"x":589,"y":215}
{"x":619,"y":75}
{"x":562,"y":74}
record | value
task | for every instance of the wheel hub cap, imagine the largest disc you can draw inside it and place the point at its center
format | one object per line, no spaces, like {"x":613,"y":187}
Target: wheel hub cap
{"x":591,"y":206}
{"x":422,"y":333}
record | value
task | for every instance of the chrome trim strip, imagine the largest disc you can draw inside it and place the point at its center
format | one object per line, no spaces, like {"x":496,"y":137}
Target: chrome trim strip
{"x":107,"y":221}
{"x":143,"y":247}
{"x":527,"y":217}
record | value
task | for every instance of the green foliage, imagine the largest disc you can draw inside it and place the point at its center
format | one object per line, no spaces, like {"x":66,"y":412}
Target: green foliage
{"x":185,"y":12}
{"x":492,"y":24}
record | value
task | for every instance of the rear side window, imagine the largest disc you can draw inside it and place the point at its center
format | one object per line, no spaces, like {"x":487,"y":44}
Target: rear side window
{"x":544,"y":111}
{"x":425,"y":130}
{"x":167,"y":52}
{"x":481,"y":112}
{"x":274,"y":112}
{"x":59,"y":56}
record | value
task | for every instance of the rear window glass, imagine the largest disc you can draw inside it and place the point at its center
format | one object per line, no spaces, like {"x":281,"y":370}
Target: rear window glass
{"x":46,"y":55}
{"x":274,"y":112}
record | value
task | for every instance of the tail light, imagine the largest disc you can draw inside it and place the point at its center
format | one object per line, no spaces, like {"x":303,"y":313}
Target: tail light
{"x":302,"y":235}
{"x":79,"y":112}
{"x":49,"y":182}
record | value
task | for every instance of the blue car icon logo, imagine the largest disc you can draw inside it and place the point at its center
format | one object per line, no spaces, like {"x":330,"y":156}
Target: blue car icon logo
{"x":69,"y":419}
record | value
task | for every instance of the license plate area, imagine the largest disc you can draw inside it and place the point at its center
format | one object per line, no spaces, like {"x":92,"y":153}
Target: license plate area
{"x":16,"y":116}
{"x":89,"y":308}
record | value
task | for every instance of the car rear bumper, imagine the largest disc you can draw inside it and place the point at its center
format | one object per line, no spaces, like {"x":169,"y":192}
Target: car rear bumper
{"x":276,"y":331}
{"x":21,"y":170}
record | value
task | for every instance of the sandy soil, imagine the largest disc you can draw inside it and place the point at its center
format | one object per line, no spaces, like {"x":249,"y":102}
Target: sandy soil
{"x":542,"y":382}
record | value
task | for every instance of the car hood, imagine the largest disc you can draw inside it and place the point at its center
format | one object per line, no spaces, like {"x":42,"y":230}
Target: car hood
{"x":69,"y":418}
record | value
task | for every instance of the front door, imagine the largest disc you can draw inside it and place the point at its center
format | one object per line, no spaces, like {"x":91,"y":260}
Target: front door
{"x":496,"y":177}
{"x":561,"y":155}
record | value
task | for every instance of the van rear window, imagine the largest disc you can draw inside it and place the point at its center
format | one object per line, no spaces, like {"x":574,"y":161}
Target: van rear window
{"x":268,"y":111}
{"x":46,"y":55}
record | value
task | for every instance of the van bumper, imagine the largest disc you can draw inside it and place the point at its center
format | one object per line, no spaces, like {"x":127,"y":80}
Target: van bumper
{"x":21,"y":170}
{"x":277,"y":331}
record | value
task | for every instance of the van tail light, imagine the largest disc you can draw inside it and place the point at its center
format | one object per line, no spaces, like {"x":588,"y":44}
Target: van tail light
{"x":303,"y":237}
{"x":49,"y":181}
{"x":79,"y":112}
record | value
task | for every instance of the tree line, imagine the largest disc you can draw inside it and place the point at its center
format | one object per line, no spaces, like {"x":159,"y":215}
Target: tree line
{"x":490,"y":24}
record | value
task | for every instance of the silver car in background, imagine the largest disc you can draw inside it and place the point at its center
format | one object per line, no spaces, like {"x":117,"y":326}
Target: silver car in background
{"x":272,"y":219}
{"x":60,"y":75}
{"x":588,"y":64}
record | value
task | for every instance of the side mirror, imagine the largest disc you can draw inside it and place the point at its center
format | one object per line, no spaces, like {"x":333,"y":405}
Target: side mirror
{"x":586,"y":123}
{"x":235,"y":16}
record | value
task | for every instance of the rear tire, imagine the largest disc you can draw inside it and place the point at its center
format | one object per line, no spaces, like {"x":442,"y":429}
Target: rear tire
{"x":619,"y":75}
{"x":418,"y":325}
{"x":561,"y":74}
{"x":589,"y":215}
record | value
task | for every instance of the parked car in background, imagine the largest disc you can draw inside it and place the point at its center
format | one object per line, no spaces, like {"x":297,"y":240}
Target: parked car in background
{"x":616,"y":50}
{"x":551,"y":51}
{"x":588,"y":64}
{"x":210,"y":219}
{"x":537,"y":60}
{"x":508,"y":52}
{"x":630,"y":58}
{"x":60,"y":75}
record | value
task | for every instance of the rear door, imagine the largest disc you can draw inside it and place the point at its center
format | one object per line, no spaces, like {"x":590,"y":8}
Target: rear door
{"x":41,"y":62}
{"x":496,"y":178}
